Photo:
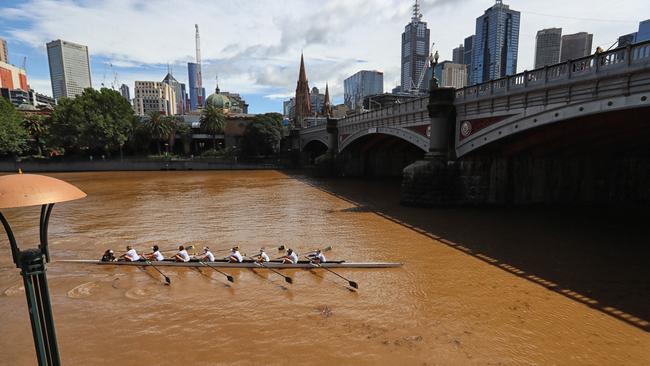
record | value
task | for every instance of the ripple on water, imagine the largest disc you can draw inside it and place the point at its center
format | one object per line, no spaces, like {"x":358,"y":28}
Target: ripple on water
{"x":82,"y":291}
{"x":13,"y":290}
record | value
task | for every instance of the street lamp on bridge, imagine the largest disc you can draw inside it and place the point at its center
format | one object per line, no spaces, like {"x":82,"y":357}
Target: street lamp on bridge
{"x":22,"y":190}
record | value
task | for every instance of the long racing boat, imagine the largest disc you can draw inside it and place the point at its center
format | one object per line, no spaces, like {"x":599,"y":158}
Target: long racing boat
{"x":244,"y":264}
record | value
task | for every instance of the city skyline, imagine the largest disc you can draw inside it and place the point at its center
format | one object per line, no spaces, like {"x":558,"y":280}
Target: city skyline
{"x":261,"y":65}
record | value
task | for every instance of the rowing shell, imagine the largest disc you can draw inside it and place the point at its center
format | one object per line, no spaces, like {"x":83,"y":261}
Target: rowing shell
{"x":245,"y":264}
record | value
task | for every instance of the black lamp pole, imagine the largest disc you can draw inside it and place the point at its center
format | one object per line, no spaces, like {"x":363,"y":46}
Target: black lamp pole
{"x":32,"y":264}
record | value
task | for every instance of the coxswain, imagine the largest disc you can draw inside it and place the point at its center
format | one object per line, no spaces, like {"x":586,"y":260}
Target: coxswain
{"x":262,"y":257}
{"x":109,"y":256}
{"x":290,"y":258}
{"x":235,"y":256}
{"x":155,"y":255}
{"x":207,"y":255}
{"x":317,"y":257}
{"x":131,"y":255}
{"x":182,"y":255}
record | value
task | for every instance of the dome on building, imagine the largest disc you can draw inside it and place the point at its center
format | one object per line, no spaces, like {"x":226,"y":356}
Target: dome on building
{"x":218,"y":100}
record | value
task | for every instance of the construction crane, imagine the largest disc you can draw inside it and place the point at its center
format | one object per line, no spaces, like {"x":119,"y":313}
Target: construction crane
{"x":114,"y":84}
{"x":424,"y":70}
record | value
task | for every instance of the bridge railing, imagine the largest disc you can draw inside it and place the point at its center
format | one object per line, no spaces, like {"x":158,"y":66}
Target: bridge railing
{"x":616,"y":59}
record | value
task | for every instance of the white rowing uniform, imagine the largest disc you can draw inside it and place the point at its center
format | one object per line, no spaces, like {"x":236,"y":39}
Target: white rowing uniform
{"x":237,"y":255}
{"x":183,"y":254}
{"x":133,"y":255}
{"x":209,"y":256}
{"x":320,"y":257}
{"x":265,"y":258}
{"x":158,"y":256}
{"x":294,"y":257}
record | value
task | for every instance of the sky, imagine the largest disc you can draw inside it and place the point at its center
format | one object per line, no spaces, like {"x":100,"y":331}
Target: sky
{"x":254,"y":46}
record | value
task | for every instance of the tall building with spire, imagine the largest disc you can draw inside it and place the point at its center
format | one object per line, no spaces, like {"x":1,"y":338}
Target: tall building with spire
{"x":303,"y":102}
{"x":496,"y":44}
{"x":415,"y":49}
{"x":197,"y":92}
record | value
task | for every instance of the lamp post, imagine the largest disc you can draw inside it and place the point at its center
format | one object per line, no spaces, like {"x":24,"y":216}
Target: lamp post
{"x":22,"y":190}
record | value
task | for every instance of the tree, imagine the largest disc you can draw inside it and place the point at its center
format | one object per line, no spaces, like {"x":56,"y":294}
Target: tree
{"x":185,"y":133}
{"x":37,"y":129}
{"x":213,"y":122}
{"x":13,"y":135}
{"x":160,"y":127}
{"x":95,"y":120}
{"x":261,"y":137}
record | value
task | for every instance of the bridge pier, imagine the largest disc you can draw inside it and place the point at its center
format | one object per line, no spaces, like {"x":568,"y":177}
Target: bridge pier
{"x":433,"y":181}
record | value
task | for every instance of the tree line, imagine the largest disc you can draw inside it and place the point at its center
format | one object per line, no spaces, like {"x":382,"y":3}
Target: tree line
{"x":102,"y":122}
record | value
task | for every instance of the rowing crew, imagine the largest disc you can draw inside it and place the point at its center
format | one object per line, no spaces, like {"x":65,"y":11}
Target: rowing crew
{"x":235,"y":256}
{"x":132,"y":255}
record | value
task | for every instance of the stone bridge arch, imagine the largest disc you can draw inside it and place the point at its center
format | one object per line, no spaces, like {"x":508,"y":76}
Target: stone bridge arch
{"x":407,"y":135}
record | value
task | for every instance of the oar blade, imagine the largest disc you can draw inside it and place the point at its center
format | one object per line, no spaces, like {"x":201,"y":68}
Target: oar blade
{"x":327,"y":248}
{"x":288,"y":279}
{"x":281,"y":247}
{"x":230,"y":278}
{"x":168,"y":281}
{"x":354,"y":284}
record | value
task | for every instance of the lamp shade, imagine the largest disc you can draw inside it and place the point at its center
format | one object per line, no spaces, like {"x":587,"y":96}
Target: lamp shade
{"x":21,"y":190}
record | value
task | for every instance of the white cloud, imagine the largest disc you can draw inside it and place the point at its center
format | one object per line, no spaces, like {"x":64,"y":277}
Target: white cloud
{"x":255,"y":46}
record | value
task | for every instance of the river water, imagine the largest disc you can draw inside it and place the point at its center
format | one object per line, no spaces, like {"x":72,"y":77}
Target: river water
{"x":472,"y":291}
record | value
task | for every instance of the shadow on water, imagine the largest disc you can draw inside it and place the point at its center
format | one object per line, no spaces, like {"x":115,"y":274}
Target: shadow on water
{"x":598,"y":256}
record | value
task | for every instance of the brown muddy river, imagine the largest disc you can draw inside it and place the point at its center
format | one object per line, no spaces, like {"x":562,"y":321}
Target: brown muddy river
{"x":478,"y":286}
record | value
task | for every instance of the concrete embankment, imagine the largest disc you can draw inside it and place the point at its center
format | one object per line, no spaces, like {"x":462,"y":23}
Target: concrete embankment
{"x":133,"y":165}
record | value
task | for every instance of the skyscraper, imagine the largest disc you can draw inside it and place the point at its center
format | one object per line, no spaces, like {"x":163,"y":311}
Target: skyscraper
{"x":644,"y":31}
{"x":124,"y":91}
{"x":469,"y":43}
{"x":4,"y":53}
{"x":197,"y":92}
{"x":179,"y":90}
{"x":496,"y":43}
{"x":415,"y":50}
{"x":575,"y":46}
{"x":458,"y":55}
{"x":361,"y":85}
{"x":69,"y":68}
{"x":547,"y":47}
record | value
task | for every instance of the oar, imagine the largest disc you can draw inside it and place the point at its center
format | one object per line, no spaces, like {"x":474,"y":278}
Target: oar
{"x":167,"y":279}
{"x":260,"y":264}
{"x":351,"y":283}
{"x":229,"y":277}
{"x":326,"y":249}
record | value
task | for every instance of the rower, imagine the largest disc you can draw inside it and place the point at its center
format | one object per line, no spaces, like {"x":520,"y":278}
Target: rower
{"x":131,"y":255}
{"x":290,"y":258}
{"x":109,"y":256}
{"x":262,"y":257}
{"x":207,"y":255}
{"x":182,"y":255}
{"x":317,"y":257}
{"x":235,"y":256}
{"x":155,"y":255}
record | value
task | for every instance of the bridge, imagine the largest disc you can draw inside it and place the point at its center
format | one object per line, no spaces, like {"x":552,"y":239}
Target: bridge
{"x":600,"y":97}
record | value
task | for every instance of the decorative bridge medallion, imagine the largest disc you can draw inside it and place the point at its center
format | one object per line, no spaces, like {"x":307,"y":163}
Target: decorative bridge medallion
{"x":466,"y":128}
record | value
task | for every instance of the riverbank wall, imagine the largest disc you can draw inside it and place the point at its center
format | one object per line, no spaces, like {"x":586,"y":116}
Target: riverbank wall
{"x":135,"y":165}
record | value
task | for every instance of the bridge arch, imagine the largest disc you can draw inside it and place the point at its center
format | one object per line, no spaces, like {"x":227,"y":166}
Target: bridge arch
{"x":311,"y":140}
{"x":412,"y":137}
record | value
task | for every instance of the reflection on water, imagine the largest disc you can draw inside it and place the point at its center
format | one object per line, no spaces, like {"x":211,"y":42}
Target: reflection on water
{"x":445,"y":306}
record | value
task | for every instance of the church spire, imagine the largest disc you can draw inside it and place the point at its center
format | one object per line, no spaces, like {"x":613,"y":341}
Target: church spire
{"x":327,"y":105}
{"x":303,"y":101}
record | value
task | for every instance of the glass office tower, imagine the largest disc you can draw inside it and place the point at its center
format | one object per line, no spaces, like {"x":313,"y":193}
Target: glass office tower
{"x":496,"y":43}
